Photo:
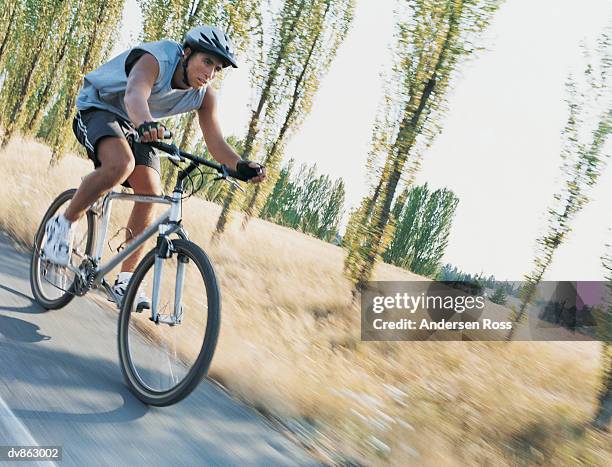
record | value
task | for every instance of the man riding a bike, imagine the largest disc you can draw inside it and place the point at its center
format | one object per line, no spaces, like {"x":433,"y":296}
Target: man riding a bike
{"x":124,"y":97}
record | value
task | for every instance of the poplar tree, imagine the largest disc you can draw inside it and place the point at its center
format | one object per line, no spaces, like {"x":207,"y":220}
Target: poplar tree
{"x":328,"y":22}
{"x":9,"y":19}
{"x":32,"y":38}
{"x":89,"y":48}
{"x":500,"y":295}
{"x":433,"y":37}
{"x":423,"y":222}
{"x":268,"y":79}
{"x":281,"y":193}
{"x":306,"y":201}
{"x":583,"y":159}
{"x":52,"y":65}
{"x":54,"y":43}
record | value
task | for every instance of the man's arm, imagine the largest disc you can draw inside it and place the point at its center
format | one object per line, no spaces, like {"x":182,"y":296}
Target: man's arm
{"x":213,"y":136}
{"x":140,"y":83}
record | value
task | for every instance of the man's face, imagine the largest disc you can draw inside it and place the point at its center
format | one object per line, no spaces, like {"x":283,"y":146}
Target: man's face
{"x":202,"y":69}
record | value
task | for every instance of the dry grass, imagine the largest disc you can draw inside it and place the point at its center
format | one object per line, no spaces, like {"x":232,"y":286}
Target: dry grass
{"x":290,"y":345}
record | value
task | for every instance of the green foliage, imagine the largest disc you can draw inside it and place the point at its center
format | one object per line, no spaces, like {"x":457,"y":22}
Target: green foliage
{"x":432,"y":37}
{"x":53,"y":44}
{"x":450,"y":273}
{"x":306,"y":201}
{"x":422,"y":225}
{"x":9,"y":17}
{"x":499,"y":296}
{"x":171,"y":19}
{"x":328,"y":22}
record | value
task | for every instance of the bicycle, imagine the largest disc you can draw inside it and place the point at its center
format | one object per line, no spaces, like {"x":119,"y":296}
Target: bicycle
{"x":159,"y":367}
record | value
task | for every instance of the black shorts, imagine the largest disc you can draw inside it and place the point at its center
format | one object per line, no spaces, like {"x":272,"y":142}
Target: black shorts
{"x":90,"y":126}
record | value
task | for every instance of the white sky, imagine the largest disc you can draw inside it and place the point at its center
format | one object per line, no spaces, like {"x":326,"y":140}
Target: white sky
{"x":500,"y":147}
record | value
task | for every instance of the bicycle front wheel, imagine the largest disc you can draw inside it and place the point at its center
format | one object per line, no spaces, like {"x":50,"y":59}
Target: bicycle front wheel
{"x":164,"y":360}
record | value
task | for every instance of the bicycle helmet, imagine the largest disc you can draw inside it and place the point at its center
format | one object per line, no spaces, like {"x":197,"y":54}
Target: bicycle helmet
{"x":210,"y":39}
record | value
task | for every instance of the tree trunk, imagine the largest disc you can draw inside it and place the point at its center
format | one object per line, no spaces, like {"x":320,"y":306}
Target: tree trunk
{"x":228,"y":203}
{"x":9,"y":27}
{"x":603,"y":415}
{"x":188,"y":131}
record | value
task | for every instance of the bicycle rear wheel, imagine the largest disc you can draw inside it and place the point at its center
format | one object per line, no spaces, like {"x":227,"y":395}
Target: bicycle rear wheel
{"x":53,"y":286}
{"x":163,"y":363}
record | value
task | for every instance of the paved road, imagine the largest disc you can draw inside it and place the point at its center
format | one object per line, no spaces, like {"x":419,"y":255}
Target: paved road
{"x":60,"y":384}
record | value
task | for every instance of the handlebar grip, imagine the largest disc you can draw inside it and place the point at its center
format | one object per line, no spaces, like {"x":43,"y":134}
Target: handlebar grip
{"x":246,"y":173}
{"x":232,"y":173}
{"x":167,"y":134}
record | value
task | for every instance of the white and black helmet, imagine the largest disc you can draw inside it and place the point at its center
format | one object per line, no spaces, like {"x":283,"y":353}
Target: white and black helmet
{"x":211,"y":39}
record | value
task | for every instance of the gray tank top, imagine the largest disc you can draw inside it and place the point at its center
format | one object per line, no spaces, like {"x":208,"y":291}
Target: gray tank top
{"x":104,"y":88}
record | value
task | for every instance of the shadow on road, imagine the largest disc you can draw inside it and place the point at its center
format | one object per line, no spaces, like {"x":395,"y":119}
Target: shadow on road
{"x":32,"y":308}
{"x":72,"y":374}
{"x":69,"y":390}
{"x":19,"y":330}
{"x":16,"y":292}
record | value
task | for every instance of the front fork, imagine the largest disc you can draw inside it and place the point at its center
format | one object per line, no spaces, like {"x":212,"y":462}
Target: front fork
{"x":164,"y":251}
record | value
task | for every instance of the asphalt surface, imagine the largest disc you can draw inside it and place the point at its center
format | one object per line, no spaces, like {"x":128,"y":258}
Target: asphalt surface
{"x":60,"y":385}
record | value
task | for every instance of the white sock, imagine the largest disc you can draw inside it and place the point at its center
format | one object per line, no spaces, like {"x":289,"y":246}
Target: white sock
{"x":63,"y":219}
{"x":124,"y":276}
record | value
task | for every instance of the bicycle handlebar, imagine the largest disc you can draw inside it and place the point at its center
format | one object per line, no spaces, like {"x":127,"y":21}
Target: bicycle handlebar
{"x":174,"y":150}
{"x":167,"y":135}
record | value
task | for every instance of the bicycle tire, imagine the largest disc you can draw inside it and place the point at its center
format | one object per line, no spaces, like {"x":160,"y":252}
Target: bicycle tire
{"x":35,"y":276}
{"x":202,"y":363}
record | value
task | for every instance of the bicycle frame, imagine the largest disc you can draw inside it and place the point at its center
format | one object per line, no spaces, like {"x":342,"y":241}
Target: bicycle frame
{"x":186,"y":267}
{"x":166,"y":224}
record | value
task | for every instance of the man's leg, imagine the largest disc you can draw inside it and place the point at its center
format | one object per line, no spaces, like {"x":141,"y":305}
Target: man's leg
{"x":117,"y":162}
{"x":144,"y":181}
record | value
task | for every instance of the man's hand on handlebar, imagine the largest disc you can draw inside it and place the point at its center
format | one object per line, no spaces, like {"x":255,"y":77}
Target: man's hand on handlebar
{"x":251,"y":171}
{"x":152,"y":131}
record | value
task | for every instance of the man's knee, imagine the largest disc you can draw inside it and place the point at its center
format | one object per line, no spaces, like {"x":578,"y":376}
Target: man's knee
{"x":117,"y":161}
{"x":145,"y":181}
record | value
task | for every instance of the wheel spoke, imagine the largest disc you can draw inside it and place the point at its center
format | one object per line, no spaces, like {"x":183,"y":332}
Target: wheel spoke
{"x":161,"y":360}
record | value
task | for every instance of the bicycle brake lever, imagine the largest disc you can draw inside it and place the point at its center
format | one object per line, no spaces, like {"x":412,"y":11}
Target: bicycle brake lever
{"x":236,"y":184}
{"x":225,"y":176}
{"x":229,"y":180}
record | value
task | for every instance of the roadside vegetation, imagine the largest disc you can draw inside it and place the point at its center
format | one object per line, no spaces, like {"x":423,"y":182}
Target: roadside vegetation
{"x":290,"y":342}
{"x":290,"y":346}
